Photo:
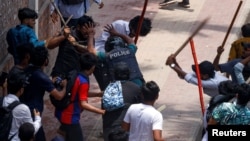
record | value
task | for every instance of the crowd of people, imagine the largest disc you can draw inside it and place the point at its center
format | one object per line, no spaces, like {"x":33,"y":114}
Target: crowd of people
{"x":229,"y":92}
{"x":111,"y":57}
{"x":114,"y":50}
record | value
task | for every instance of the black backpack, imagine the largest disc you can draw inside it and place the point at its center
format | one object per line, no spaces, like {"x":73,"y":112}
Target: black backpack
{"x":65,"y":101}
{"x":6,"y":119}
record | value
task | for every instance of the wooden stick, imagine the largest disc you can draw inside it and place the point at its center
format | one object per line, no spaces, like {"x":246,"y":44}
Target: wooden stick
{"x":59,"y":13}
{"x":66,"y":22}
{"x":138,"y":30}
{"x":230,"y":27}
{"x":190,"y":37}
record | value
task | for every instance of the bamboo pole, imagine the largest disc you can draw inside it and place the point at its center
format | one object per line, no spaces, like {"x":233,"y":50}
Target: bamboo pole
{"x":138,"y":30}
{"x":191,"y":36}
{"x":198,"y":76}
{"x":231,"y":24}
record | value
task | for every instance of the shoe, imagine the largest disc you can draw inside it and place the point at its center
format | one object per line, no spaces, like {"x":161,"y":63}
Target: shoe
{"x":166,"y":2}
{"x":181,"y":4}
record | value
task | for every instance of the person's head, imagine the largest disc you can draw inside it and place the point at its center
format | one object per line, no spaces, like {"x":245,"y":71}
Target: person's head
{"x":16,"y":82}
{"x":118,"y":134}
{"x":228,"y":87}
{"x":39,"y":56}
{"x":88,"y":62}
{"x":27,"y":16}
{"x":82,"y":21}
{"x":145,"y":27}
{"x":114,"y":42}
{"x":245,"y":30}
{"x":246,"y":49}
{"x":216,"y":101}
{"x":243,"y":94}
{"x":24,"y":52}
{"x":121,"y":71}
{"x":150,"y":91}
{"x":207,"y":70}
{"x":26,"y":132}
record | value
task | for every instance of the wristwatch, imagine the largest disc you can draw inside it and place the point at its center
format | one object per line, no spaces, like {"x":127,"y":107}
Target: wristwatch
{"x":172,"y":65}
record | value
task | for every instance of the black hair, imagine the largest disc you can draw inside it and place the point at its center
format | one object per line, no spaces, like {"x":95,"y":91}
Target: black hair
{"x":243,"y":94}
{"x":215,"y":101}
{"x":121,"y":71}
{"x":23,"y":50}
{"x":118,"y":134}
{"x":87,"y":61}
{"x":27,"y":13}
{"x":150,"y":91}
{"x":114,"y":42}
{"x":228,"y":87}
{"x":26,"y":131}
{"x":245,"y":30}
{"x":206,"y":67}
{"x":39,"y":56}
{"x":84,"y":20}
{"x":145,"y":27}
{"x":15,"y":81}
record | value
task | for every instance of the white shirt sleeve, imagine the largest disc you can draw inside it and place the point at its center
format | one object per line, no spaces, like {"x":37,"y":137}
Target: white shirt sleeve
{"x":25,"y":116}
{"x":209,"y":83}
{"x":157,"y":121}
{"x":127,"y":116}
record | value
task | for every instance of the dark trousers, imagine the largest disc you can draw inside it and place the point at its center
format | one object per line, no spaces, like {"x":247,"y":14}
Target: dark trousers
{"x":73,"y":132}
{"x":40,"y":135}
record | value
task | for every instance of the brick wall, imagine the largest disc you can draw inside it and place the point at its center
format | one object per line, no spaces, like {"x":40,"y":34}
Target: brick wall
{"x":8,"y":18}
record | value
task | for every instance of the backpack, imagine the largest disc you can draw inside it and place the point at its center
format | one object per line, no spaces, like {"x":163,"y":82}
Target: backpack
{"x":6,"y":119}
{"x":72,"y":2}
{"x":66,"y":100}
{"x":112,"y":97}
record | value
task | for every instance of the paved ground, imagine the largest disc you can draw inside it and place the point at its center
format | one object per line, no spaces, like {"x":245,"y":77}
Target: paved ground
{"x":179,"y":102}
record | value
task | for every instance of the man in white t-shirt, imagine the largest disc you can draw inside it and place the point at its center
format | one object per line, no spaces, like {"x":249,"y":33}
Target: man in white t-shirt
{"x":143,"y":121}
{"x":126,"y":28}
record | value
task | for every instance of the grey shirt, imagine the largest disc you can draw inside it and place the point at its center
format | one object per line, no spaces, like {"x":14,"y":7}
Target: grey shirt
{"x":210,"y":86}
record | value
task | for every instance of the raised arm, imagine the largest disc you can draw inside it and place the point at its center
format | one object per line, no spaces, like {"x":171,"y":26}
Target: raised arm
{"x":54,"y":41}
{"x":216,"y":61}
{"x":90,"y":29}
{"x":110,"y":29}
{"x":171,"y":61}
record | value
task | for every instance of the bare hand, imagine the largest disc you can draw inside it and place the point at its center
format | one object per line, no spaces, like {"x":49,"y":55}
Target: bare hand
{"x":220,"y":49}
{"x":36,"y":112}
{"x":54,"y":16}
{"x":170,"y":59}
{"x":110,"y":29}
{"x":64,"y":83}
{"x":72,"y":40}
{"x":101,"y":5}
{"x":66,"y":32}
{"x":89,"y":28}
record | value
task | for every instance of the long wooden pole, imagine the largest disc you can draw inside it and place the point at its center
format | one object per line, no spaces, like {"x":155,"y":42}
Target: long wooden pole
{"x":138,"y":30}
{"x":231,"y":24}
{"x":191,"y":36}
{"x":198,"y":76}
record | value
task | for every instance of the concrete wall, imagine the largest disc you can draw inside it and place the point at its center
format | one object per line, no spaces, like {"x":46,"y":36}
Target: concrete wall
{"x":8,"y":18}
